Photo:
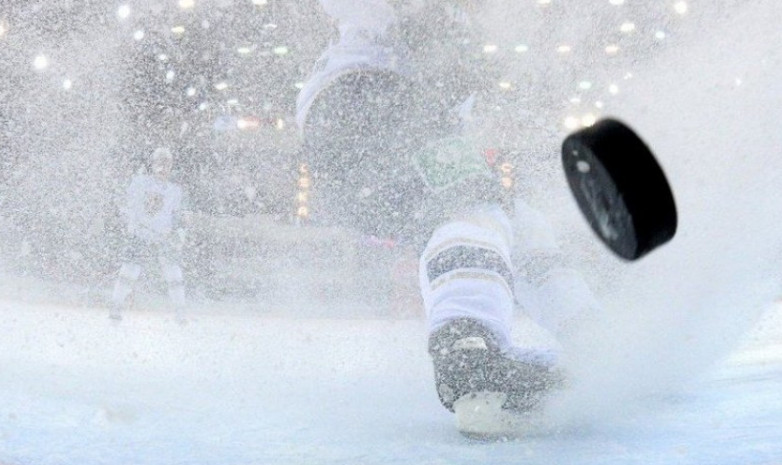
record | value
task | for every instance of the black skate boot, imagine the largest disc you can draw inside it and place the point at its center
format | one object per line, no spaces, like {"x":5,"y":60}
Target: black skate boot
{"x":491,"y":392}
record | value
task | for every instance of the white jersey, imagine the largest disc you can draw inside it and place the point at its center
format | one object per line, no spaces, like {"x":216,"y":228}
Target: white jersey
{"x":152,"y":207}
{"x":365,"y":42}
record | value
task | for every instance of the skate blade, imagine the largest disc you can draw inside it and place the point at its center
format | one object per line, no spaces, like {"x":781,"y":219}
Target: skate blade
{"x":480,"y":416}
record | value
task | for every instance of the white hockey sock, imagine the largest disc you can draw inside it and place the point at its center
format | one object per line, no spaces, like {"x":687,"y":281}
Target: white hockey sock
{"x":128,"y":274}
{"x":465,"y":272}
{"x":174,"y":277}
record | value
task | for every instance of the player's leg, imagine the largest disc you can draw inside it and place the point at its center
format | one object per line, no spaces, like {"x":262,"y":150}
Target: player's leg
{"x":466,"y":271}
{"x":467,"y":286}
{"x":386,"y":162}
{"x":174,"y":277}
{"x":548,"y":287}
{"x":357,"y":143}
{"x":134,"y":251}
{"x":123,"y":286}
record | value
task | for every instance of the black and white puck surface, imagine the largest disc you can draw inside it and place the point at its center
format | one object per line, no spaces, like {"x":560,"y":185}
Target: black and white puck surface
{"x":620,"y":188}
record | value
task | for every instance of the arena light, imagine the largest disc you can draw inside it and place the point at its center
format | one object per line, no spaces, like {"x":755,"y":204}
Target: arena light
{"x":506,"y":178}
{"x":571,"y":122}
{"x":521,"y":48}
{"x":280,"y":50}
{"x":302,"y":194}
{"x":248,"y":122}
{"x":138,"y":35}
{"x":123,"y":11}
{"x":506,"y":168}
{"x":41,"y":62}
{"x":3,"y":27}
{"x":588,"y":119}
{"x":186,"y":4}
{"x":681,"y":8}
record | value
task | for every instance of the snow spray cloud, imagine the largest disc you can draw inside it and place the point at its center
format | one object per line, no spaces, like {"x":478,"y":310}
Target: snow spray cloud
{"x":702,"y":92}
{"x":61,"y":113}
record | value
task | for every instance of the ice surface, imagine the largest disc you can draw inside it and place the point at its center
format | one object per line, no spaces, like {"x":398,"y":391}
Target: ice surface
{"x":76,"y":389}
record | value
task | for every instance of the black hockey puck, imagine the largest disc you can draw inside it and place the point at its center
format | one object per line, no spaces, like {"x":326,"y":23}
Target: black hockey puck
{"x":620,"y":188}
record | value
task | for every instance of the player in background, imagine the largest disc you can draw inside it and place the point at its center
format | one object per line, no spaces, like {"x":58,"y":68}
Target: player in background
{"x":385,"y":127}
{"x":152,"y":211}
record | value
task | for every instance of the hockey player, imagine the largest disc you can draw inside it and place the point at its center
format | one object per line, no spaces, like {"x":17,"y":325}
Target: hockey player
{"x":154,"y":232}
{"x":383,"y":125}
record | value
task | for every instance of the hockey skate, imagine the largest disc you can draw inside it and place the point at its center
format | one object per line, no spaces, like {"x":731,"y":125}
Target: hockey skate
{"x":494,"y":394}
{"x":117,"y":308}
{"x":115,"y":313}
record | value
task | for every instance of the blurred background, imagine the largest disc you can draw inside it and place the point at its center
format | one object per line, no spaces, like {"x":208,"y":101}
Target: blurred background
{"x":91,"y":87}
